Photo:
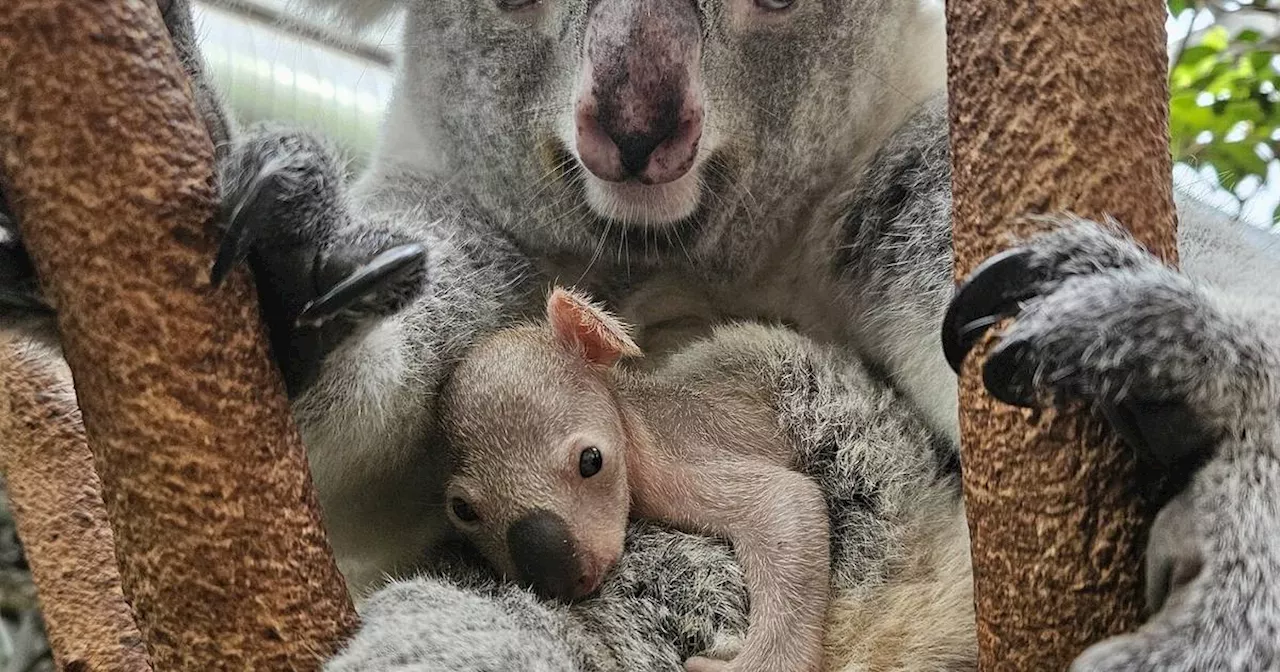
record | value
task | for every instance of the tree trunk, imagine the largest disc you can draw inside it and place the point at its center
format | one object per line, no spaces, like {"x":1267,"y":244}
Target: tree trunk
{"x":1055,"y":106}
{"x":57,"y":506}
{"x":204,"y":477}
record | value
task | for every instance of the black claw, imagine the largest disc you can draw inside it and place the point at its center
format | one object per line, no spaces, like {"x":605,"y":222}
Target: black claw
{"x":1005,"y":376}
{"x":24,"y":302}
{"x":237,"y":239}
{"x":385,"y":268}
{"x":1124,"y":424}
{"x":15,"y":265}
{"x":991,"y":293}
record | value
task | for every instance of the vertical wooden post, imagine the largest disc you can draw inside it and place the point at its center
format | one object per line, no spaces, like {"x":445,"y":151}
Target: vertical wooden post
{"x":1054,"y":105}
{"x":57,"y":506}
{"x":110,"y":171}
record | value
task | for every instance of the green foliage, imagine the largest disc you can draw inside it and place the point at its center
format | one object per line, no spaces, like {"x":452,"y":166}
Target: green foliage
{"x":1225,"y":94}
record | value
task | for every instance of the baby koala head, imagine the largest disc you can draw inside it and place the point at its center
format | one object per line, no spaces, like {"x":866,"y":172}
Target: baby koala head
{"x":536,"y":441}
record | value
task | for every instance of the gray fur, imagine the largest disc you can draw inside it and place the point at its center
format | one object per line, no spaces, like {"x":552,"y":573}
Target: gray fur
{"x":825,"y":207}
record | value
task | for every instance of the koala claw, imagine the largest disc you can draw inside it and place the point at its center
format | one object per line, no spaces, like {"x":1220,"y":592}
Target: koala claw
{"x":990,"y":294}
{"x":387,"y":268}
{"x":25,"y":302}
{"x":237,"y":238}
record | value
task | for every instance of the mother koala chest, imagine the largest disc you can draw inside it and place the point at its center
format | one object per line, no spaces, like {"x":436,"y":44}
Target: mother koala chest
{"x":669,"y":304}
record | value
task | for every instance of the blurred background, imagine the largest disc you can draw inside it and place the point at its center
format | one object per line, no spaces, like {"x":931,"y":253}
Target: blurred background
{"x":1223,"y":84}
{"x":273,"y":61}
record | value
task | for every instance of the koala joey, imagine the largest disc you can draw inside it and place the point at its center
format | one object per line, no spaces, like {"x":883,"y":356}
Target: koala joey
{"x":597,"y":444}
{"x":690,"y":162}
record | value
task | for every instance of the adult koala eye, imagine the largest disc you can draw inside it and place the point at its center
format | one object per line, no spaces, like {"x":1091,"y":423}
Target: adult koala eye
{"x":463,"y":511}
{"x":590,"y":462}
{"x":774,"y":5}
{"x":515,"y":5}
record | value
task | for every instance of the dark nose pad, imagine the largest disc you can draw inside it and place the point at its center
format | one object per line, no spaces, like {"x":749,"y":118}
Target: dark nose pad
{"x":544,"y":554}
{"x":634,"y":149}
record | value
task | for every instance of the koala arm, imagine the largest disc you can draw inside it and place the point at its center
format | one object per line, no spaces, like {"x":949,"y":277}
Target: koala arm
{"x":408,"y":274}
{"x":892,"y":262}
{"x":368,"y":299}
{"x":1193,"y":354}
{"x":776,"y":520}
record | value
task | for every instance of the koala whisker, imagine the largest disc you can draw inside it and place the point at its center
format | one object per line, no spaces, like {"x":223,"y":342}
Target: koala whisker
{"x":604,"y":237}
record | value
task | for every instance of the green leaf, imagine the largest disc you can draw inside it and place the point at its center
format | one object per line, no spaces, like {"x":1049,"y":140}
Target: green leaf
{"x":1192,"y":56}
{"x":1248,"y":35}
{"x":1176,"y":7}
{"x":1216,"y":38}
{"x":1261,"y":60}
{"x":1211,"y":78}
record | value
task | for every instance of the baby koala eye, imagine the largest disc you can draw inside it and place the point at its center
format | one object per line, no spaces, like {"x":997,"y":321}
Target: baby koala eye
{"x":774,"y":5}
{"x":590,"y":462}
{"x":463,"y":510}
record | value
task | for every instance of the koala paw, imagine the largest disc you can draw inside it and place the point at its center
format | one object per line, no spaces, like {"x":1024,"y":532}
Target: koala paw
{"x":703,"y":664}
{"x":283,"y":210}
{"x":1099,"y":320}
{"x":320,"y":272}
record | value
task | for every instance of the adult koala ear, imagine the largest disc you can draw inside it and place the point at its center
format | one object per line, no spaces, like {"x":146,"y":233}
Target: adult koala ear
{"x":587,"y":329}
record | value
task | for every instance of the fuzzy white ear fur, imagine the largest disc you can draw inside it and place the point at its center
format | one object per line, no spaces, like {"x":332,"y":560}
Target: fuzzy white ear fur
{"x":587,"y":329}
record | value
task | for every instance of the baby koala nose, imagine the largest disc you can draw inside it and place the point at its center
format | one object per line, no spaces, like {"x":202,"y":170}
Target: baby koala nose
{"x":660,"y":147}
{"x":545,"y":555}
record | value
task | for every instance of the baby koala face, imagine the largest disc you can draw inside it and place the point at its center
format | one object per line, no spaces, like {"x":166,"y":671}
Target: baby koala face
{"x":537,"y":445}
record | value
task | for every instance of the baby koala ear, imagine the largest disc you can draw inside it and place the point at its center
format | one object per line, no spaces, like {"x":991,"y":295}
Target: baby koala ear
{"x":587,"y":329}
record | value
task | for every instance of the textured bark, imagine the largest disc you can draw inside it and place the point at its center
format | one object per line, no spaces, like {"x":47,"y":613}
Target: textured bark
{"x":57,"y":505}
{"x":110,"y":171}
{"x":1055,"y":106}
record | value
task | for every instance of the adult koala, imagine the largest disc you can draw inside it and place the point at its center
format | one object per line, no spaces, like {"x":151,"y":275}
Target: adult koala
{"x":695,"y":162}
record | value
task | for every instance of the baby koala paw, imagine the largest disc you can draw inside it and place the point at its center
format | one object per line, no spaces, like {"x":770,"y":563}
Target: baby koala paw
{"x":704,"y":664}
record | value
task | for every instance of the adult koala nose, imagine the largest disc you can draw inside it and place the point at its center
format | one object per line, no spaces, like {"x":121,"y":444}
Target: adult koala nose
{"x":545,"y":556}
{"x":639,"y":109}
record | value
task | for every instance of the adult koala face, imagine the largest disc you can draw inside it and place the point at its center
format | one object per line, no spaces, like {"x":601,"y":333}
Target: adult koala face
{"x":570,"y":118}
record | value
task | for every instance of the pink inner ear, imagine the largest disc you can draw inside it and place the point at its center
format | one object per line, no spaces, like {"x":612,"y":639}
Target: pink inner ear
{"x":578,"y":327}
{"x":597,"y":345}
